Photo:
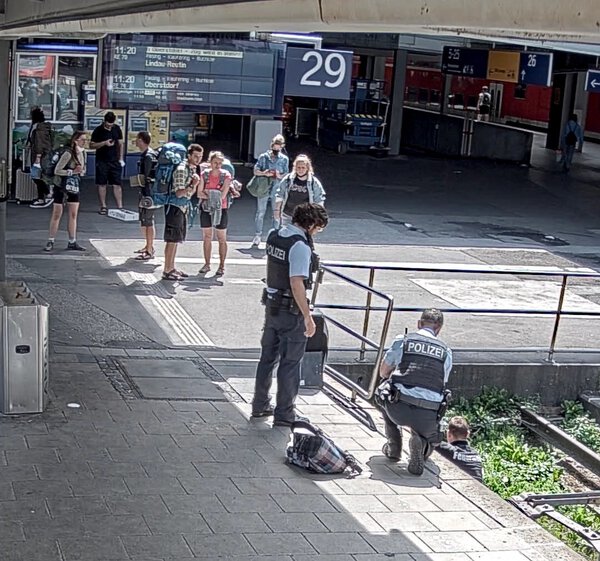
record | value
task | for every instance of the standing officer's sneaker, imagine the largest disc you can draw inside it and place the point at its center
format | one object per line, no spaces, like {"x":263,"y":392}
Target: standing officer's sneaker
{"x":268,"y":412}
{"x":416,"y":462}
{"x":392,"y":451}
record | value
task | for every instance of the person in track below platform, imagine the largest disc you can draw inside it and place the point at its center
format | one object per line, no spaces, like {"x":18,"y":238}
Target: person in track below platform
{"x":457,"y":448}
{"x":291,"y":262}
{"x":415,"y":370}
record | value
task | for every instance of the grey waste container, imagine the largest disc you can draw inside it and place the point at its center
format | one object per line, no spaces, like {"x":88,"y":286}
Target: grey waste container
{"x":24,"y":350}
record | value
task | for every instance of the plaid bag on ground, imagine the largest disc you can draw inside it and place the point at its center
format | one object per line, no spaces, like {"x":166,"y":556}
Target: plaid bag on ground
{"x":313,"y":450}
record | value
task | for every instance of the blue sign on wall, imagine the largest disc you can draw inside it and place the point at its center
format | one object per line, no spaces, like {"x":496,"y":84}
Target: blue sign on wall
{"x":465,"y":62}
{"x":592,"y":81}
{"x":318,"y":73}
{"x":535,"y":69}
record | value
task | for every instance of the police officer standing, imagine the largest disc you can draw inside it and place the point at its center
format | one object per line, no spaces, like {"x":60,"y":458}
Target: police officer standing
{"x":457,"y":449}
{"x":291,"y":261}
{"x":416,"y":369}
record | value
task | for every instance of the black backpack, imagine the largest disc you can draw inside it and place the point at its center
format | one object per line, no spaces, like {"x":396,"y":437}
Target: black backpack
{"x":571,"y":138}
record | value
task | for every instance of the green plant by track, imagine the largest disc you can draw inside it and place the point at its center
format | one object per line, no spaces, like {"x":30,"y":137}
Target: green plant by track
{"x":580,"y":425}
{"x":514,"y":463}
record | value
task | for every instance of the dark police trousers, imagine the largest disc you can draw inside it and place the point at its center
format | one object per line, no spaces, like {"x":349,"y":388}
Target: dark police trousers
{"x":283,"y":339}
{"x":423,"y":422}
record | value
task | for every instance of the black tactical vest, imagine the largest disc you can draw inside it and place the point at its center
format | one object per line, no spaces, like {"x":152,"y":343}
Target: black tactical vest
{"x":422,"y":363}
{"x":278,"y":259}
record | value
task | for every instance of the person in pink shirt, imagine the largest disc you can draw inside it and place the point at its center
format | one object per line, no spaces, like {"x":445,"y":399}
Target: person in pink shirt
{"x":212,"y":192}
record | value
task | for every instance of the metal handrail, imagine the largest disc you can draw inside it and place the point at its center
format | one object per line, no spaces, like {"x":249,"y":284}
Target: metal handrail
{"x":564,"y":274}
{"x":356,"y":389}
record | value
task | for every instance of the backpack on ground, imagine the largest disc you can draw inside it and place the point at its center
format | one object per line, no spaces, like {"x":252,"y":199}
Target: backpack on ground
{"x":571,"y":138}
{"x":313,"y":450}
{"x":168,"y":158}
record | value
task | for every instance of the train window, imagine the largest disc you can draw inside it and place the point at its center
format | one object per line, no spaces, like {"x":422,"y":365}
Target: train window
{"x":458,"y":100}
{"x":413,"y":95}
{"x":36,"y":85}
{"x":423,"y":96}
{"x":521,"y":91}
{"x":435,"y":97}
{"x":472,"y":102}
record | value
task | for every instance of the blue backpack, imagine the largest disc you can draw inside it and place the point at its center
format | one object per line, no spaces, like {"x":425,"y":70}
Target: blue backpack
{"x":169,"y":157}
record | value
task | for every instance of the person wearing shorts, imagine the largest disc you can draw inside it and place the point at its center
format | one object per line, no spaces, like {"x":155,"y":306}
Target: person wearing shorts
{"x":185,"y":184}
{"x":107,"y":140}
{"x":146,"y":166}
{"x":70,"y":165}
{"x":215,"y":178}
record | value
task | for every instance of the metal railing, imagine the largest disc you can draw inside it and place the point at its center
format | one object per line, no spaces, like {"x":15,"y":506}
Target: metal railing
{"x":329,"y":268}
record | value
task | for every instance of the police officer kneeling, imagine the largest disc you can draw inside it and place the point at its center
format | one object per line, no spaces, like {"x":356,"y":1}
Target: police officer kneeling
{"x":416,"y":369}
{"x":291,"y":263}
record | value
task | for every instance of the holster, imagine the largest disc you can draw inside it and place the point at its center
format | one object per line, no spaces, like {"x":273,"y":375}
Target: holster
{"x":279,"y":301}
{"x":447,"y":397}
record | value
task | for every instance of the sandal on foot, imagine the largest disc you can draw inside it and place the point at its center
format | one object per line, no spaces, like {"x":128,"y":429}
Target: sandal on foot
{"x":204,"y":270}
{"x":220,"y":272}
{"x":181,"y":274}
{"x":171,"y":276}
{"x":103,"y":211}
{"x":145,"y":256}
{"x":143,"y":250}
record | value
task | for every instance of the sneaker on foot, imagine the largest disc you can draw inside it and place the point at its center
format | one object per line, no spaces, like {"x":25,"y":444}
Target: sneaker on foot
{"x":74,"y":246}
{"x":392,"y":451}
{"x":40,"y":203}
{"x":268,"y":412}
{"x":49,"y":246}
{"x":256,"y":240}
{"x":416,"y":462}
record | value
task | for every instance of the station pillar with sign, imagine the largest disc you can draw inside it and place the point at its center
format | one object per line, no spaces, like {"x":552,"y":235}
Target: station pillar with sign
{"x":395,"y":126}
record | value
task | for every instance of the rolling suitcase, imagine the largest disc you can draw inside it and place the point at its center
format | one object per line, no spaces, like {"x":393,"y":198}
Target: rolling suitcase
{"x":25,"y":188}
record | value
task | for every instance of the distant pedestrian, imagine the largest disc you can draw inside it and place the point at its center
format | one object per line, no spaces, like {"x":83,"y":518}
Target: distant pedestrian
{"x":185,"y":184}
{"x":273,"y":164}
{"x":571,"y":140}
{"x":39,"y":140}
{"x":484,"y":104}
{"x":457,"y":448}
{"x":146,"y":168}
{"x":107,"y":140}
{"x":213,"y":191}
{"x":69,"y":170}
{"x":298,"y":187}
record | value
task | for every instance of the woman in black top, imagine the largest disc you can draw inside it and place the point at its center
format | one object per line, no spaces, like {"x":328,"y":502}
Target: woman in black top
{"x":39,"y":140}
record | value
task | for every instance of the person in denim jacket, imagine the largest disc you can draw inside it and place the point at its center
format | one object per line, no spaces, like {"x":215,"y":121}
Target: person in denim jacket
{"x":273,"y":164}
{"x":298,"y":187}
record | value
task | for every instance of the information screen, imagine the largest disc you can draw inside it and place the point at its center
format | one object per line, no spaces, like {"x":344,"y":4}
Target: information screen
{"x":185,"y":73}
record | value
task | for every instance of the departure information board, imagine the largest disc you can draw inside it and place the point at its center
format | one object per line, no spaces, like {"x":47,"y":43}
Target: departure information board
{"x":185,"y":73}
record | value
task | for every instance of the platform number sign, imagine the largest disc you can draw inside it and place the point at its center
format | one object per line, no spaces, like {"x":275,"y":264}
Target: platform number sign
{"x":318,"y":73}
{"x":535,"y":69}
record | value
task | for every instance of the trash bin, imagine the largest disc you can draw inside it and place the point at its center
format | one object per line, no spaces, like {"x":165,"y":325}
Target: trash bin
{"x":24,"y":350}
{"x":313,"y":362}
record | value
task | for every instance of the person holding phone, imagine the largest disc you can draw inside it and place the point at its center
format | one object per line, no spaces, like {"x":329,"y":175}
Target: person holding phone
{"x":107,"y":140}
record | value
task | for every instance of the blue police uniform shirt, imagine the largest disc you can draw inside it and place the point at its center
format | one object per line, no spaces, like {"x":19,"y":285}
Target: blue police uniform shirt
{"x":300,"y":253}
{"x":393,"y":357}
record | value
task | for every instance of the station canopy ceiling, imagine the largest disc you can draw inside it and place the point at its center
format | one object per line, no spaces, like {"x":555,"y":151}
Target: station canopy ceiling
{"x":534,"y":20}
